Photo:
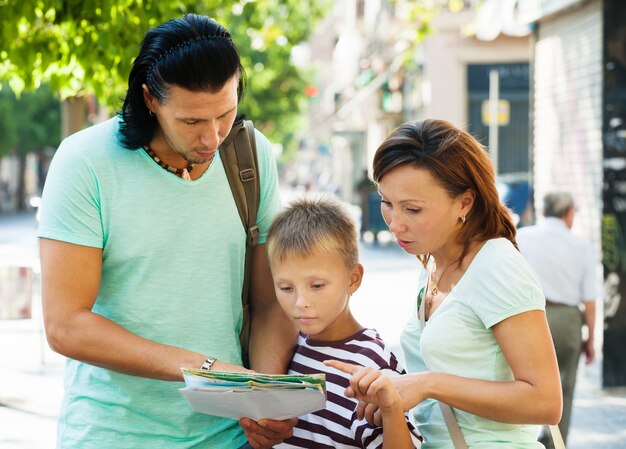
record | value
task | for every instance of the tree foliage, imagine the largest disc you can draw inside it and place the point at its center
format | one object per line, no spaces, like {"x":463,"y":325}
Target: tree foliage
{"x":82,"y":47}
{"x":30,"y":123}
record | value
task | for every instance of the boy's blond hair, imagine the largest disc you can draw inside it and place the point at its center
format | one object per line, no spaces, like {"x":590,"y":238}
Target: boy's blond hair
{"x":312,"y":224}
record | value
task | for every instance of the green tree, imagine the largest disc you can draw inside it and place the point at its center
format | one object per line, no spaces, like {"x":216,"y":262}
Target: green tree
{"x":28,"y":124}
{"x":82,"y":48}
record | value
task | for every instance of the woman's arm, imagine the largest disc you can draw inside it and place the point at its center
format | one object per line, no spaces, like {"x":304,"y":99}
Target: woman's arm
{"x":533,"y":397}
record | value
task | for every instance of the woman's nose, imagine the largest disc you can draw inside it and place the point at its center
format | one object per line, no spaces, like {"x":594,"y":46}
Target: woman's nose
{"x":393,"y":222}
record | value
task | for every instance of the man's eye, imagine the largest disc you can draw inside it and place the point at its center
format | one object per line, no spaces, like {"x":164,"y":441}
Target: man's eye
{"x":192,"y":122}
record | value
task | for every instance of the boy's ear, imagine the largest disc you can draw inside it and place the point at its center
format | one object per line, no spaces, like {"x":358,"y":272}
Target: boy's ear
{"x":356,"y":276}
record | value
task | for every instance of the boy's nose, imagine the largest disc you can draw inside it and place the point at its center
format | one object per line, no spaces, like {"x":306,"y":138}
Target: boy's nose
{"x":302,"y":302}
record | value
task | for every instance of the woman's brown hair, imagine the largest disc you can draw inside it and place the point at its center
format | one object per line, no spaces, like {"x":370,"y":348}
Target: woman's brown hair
{"x":458,"y":162}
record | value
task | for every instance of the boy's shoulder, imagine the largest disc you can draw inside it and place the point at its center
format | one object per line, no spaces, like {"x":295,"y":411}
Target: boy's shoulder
{"x":365,"y":348}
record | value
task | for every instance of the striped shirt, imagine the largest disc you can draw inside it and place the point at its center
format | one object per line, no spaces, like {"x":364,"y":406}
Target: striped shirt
{"x":337,"y":425}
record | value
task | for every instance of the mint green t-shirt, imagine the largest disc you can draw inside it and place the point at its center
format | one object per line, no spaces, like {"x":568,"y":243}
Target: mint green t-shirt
{"x":172,"y":272}
{"x":458,"y":339}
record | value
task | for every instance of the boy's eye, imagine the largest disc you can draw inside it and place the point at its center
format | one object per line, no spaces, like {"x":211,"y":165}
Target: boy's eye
{"x":317,"y":286}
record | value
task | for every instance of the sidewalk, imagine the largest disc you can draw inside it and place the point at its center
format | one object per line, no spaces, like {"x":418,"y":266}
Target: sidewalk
{"x":31,"y":375}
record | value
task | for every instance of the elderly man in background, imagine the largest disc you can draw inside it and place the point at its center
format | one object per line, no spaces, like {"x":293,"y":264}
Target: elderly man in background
{"x":566,"y":267}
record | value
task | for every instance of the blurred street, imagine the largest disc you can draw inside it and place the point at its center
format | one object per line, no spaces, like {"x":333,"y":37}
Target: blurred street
{"x":31,"y":375}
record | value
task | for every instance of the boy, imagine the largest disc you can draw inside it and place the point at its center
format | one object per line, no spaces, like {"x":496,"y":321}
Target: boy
{"x":313,"y":254}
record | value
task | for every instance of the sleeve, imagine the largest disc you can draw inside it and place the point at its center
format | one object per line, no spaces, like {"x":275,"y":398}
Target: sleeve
{"x":269,"y":203}
{"x":590,"y":288}
{"x":368,"y":436}
{"x":371,"y":437}
{"x":70,"y":207}
{"x":506,"y":286}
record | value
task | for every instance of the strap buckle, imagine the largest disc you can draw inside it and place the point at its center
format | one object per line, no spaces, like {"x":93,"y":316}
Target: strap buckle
{"x":253,"y":235}
{"x":247,"y":175}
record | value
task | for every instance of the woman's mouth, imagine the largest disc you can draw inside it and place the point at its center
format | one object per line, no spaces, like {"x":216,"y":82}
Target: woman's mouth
{"x":403,"y":243}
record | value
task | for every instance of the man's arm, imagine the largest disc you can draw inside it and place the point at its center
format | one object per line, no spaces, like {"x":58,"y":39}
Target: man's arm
{"x":272,"y":344}
{"x":70,"y":283}
{"x":590,"y":322}
{"x":272,"y":335}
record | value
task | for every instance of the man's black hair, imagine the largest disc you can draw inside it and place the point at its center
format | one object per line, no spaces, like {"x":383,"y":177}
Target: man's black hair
{"x":193,"y":52}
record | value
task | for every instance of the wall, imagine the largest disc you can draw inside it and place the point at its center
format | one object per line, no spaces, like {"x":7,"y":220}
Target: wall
{"x":446,"y":56}
{"x":567,"y":113}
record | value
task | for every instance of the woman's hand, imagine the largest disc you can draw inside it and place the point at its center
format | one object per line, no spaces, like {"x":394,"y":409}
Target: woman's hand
{"x":266,"y":433}
{"x":411,"y":388}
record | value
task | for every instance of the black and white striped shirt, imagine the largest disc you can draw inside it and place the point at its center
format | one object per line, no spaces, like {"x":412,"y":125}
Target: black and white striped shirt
{"x":337,"y":425}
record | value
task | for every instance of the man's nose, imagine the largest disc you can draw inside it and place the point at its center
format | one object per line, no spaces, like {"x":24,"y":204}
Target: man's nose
{"x":210,"y":136}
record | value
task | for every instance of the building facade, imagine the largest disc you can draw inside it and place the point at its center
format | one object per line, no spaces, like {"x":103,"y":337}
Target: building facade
{"x":579,"y":139}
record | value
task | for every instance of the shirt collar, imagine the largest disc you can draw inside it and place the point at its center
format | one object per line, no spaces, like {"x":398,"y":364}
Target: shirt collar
{"x":555,"y":223}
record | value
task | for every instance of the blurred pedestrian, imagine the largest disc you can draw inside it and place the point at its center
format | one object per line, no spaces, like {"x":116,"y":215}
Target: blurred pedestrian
{"x":567,"y":270}
{"x":481,"y":362}
{"x":142,"y":254}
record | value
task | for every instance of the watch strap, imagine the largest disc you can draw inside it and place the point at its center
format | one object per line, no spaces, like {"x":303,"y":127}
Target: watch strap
{"x":208,"y":363}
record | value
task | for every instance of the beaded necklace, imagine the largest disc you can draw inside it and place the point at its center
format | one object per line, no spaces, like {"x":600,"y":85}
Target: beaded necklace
{"x":182,"y":172}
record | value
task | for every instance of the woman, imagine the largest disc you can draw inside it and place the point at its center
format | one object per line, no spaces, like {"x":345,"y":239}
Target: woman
{"x":482,"y":345}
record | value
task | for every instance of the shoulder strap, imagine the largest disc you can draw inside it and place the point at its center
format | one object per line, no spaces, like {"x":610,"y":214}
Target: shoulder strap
{"x":238,"y":154}
{"x":557,"y":439}
{"x":453,"y":426}
{"x":448,"y":414}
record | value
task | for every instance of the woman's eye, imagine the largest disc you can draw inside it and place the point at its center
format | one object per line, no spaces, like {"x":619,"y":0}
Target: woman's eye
{"x":413,"y":211}
{"x":285,"y":289}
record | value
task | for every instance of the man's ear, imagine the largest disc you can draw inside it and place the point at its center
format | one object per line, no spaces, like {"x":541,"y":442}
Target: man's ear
{"x":148,"y":98}
{"x":356,"y":276}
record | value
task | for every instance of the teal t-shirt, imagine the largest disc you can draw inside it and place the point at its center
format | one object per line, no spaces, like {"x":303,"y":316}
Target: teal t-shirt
{"x":172,"y":272}
{"x":458,"y":340}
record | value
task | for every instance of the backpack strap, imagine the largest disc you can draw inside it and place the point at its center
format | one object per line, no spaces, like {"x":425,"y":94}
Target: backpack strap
{"x":238,"y":154}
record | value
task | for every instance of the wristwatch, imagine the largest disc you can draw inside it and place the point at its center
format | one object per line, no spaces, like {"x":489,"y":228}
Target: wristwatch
{"x":208,"y":363}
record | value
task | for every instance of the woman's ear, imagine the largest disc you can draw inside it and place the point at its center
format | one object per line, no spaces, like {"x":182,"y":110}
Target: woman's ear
{"x":356,"y":276}
{"x":467,"y":202}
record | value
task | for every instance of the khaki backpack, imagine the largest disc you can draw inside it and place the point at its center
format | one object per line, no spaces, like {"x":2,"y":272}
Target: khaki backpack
{"x":238,"y":154}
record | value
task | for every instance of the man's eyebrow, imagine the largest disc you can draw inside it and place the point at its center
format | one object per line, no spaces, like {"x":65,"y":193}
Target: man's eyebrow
{"x":201,"y":119}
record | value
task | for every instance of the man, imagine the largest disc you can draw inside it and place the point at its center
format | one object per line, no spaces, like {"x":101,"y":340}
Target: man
{"x":142,"y":252}
{"x":566,"y":267}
